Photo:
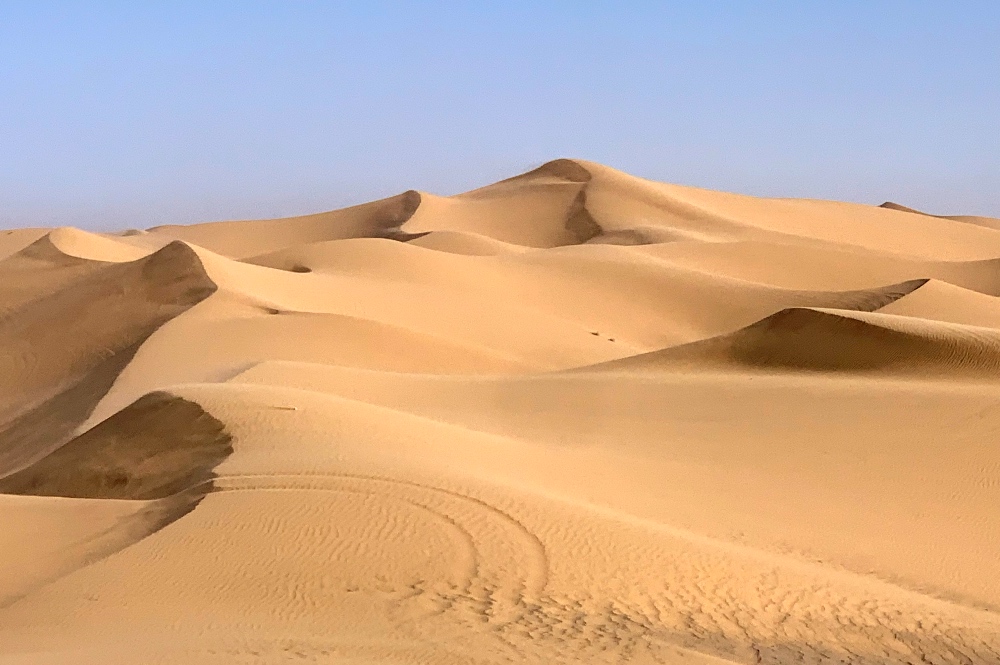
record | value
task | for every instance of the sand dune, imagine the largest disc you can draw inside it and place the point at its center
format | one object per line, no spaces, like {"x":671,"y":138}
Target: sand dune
{"x":14,"y":240}
{"x":63,"y":348}
{"x":457,"y":242}
{"x":988,"y":222}
{"x":243,"y":239}
{"x":941,"y":301}
{"x":570,"y":417}
{"x":830,"y":340}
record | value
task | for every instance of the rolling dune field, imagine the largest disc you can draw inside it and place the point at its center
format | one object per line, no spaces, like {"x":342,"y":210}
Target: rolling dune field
{"x":574,"y":416}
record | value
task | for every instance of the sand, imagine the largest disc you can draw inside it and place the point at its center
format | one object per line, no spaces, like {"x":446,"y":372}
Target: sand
{"x":571,"y":417}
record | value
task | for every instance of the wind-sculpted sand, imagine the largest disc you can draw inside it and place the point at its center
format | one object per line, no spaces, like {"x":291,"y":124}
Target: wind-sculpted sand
{"x":571,"y":417}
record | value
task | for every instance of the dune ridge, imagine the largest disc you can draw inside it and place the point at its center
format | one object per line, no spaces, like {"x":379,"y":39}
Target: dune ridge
{"x":245,"y":238}
{"x":573,"y":416}
{"x":978,"y":220}
{"x":829,"y":340}
{"x":62,"y":352}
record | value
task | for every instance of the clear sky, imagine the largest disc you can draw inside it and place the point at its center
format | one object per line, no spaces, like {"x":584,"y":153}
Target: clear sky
{"x":130,"y":114}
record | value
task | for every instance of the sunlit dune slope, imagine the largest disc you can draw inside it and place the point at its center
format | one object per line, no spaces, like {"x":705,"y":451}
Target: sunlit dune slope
{"x":573,"y":416}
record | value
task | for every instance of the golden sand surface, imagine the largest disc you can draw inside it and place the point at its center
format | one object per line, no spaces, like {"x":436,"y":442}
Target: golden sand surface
{"x":571,"y":417}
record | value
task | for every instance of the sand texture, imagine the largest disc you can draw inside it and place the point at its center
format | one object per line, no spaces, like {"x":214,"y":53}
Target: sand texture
{"x":571,"y":417}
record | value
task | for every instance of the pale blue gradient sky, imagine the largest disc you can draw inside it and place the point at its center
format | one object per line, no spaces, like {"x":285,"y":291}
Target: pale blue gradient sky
{"x":130,"y":114}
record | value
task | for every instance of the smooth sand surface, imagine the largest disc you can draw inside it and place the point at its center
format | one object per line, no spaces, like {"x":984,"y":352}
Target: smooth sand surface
{"x":571,"y":417}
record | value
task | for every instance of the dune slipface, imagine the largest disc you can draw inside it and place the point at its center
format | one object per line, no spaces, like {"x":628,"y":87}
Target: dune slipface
{"x":570,"y":417}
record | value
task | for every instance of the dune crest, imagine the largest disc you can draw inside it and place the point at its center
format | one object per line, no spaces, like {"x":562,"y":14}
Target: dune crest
{"x":978,"y":220}
{"x":573,"y":416}
{"x":828,"y":340}
{"x":241,"y":239}
{"x":62,"y":349}
{"x":570,"y":170}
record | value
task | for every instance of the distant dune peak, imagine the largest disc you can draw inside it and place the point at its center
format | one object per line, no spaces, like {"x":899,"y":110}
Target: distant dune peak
{"x":405,"y":205}
{"x":567,"y":169}
{"x":889,"y":205}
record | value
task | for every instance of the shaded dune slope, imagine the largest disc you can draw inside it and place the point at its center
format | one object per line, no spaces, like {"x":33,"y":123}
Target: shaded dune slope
{"x":68,"y":326}
{"x":14,"y":240}
{"x":62,"y":349}
{"x":159,"y":446}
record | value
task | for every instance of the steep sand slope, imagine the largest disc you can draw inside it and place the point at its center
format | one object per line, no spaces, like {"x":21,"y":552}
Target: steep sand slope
{"x":158,"y":452}
{"x":64,"y":344}
{"x":571,"y":417}
{"x":14,"y":240}
{"x":69,"y":325}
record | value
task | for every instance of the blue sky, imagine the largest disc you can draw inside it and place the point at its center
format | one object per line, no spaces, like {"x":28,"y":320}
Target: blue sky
{"x":129,"y":114}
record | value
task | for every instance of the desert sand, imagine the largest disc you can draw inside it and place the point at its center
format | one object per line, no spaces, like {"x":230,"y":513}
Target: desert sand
{"x":571,"y":417}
